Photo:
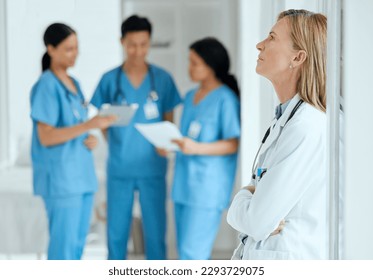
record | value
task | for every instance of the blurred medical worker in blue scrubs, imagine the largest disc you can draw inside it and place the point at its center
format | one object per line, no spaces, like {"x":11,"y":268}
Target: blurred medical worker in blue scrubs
{"x":134,"y":165}
{"x":63,"y":170}
{"x":206,"y":165}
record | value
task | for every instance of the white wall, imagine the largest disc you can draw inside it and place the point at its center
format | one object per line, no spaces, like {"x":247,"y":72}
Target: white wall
{"x":255,"y":22}
{"x":4,"y":139}
{"x":357,"y":88}
{"x":98,"y":26}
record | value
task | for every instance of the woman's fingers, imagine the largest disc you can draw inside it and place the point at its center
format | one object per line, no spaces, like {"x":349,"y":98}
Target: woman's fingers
{"x":162,"y":152}
{"x":280,"y":227}
{"x":91,"y":142}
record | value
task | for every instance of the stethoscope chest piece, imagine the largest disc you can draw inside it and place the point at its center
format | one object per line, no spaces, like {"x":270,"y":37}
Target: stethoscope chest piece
{"x":153,"y":96}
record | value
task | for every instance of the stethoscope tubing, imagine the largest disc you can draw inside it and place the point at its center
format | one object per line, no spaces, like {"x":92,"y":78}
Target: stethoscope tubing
{"x":120,"y":92}
{"x":253,"y":167}
{"x":68,"y":94}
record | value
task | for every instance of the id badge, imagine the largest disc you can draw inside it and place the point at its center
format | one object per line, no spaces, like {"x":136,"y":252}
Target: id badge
{"x":151,"y":110}
{"x":194,"y":129}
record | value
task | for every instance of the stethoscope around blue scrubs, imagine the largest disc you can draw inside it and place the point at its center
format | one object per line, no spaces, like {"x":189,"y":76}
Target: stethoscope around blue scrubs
{"x":153,"y":96}
{"x":261,"y":172}
{"x":68,"y":94}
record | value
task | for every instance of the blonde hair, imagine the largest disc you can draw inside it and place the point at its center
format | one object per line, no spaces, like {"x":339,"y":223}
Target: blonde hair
{"x":308,"y":33}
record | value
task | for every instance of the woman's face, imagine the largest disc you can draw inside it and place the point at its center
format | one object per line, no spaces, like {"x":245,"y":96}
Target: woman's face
{"x":276,"y":52}
{"x":136,"y":45}
{"x":65,"y":53}
{"x":198,"y":69}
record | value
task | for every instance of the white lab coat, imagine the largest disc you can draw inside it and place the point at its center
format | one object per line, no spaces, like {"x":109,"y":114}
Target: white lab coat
{"x":293,"y":189}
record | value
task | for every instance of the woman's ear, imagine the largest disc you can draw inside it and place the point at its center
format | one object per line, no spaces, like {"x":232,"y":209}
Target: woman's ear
{"x":50,"y":50}
{"x":299,"y":58}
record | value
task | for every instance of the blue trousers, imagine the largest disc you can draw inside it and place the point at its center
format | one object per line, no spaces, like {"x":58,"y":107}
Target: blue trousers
{"x":69,"y":219}
{"x":152,"y":196}
{"x":196,"y":230}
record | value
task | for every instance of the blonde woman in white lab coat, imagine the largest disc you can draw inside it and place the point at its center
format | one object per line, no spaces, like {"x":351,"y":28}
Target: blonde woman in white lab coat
{"x":282,"y":213}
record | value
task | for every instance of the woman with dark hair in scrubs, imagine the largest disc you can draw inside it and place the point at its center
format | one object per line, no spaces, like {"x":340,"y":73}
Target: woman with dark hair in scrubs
{"x":63,"y":169}
{"x":206,"y":164}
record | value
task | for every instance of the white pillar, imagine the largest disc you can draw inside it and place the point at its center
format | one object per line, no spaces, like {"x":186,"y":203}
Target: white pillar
{"x":4,"y":118}
{"x":357,"y":88}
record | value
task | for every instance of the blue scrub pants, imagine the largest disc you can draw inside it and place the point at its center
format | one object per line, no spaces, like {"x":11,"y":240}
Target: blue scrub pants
{"x":69,"y":219}
{"x":196,"y":230}
{"x":152,"y":196}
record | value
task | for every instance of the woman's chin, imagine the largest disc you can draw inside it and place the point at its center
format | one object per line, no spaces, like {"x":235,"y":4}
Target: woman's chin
{"x":257,"y":70}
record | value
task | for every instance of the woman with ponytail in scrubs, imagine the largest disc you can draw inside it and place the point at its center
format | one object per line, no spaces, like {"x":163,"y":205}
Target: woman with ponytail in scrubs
{"x":63,"y":169}
{"x":206,"y":164}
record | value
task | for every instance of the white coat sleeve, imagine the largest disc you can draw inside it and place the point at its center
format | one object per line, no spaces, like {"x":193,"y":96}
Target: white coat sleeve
{"x":298,"y":157}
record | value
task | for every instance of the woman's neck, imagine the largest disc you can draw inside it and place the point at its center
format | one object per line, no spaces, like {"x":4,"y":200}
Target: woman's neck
{"x":61,"y":74}
{"x":59,"y":71}
{"x":206,"y":86}
{"x":285,"y":90}
{"x":209,"y":84}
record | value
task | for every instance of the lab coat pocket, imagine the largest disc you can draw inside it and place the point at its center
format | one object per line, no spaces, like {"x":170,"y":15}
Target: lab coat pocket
{"x":251,"y":254}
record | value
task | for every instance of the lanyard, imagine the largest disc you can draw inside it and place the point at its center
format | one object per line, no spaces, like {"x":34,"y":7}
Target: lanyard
{"x":267,"y":134}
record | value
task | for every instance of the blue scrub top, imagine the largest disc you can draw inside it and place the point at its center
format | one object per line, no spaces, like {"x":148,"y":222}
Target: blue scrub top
{"x":65,"y":169}
{"x":207,"y":181}
{"x":130,"y":154}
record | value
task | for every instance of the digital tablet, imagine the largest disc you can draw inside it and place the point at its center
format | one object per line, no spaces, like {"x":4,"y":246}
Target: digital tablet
{"x":124,"y":113}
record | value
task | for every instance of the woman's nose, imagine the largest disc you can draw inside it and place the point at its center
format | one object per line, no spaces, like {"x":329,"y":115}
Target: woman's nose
{"x":260,"y":45}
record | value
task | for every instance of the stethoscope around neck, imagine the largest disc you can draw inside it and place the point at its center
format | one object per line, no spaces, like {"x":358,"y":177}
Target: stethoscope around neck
{"x":266,"y":136}
{"x":69,"y":94}
{"x":120,"y":94}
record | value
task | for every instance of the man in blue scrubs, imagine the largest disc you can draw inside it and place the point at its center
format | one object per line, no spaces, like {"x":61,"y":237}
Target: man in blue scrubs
{"x":133,"y":163}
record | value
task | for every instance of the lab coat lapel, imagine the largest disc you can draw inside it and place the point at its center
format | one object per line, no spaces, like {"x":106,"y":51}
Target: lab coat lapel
{"x":276,"y":131}
{"x":285,"y":116}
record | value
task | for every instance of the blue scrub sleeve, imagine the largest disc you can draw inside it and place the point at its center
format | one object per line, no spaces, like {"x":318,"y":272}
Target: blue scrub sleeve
{"x":45,"y":104}
{"x":101,"y":94}
{"x":172,"y":96}
{"x":230,"y":115}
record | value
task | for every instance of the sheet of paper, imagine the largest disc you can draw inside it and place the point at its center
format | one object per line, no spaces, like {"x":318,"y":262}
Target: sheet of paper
{"x":160,"y":134}
{"x":123,"y":112}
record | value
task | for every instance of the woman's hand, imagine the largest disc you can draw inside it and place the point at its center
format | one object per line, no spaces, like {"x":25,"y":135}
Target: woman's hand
{"x":162,"y":152}
{"x":187,"y":146}
{"x":250,"y":189}
{"x":279,"y":229}
{"x":91,"y":142}
{"x":101,"y":122}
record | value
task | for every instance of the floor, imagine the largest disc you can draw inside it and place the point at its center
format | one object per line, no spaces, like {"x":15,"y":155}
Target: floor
{"x":96,"y":250}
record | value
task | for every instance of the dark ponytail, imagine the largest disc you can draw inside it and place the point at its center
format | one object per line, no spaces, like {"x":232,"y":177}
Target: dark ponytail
{"x":46,"y":62}
{"x":54,"y":35}
{"x":231,"y":82}
{"x":216,"y":56}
